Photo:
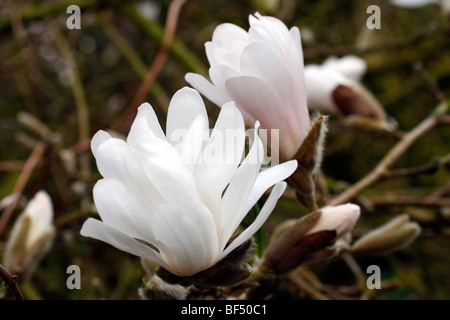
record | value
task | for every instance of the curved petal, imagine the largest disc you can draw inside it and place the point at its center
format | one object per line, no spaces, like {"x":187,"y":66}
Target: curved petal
{"x":187,"y":250}
{"x":216,"y":95}
{"x":98,"y":139}
{"x":265,"y":212}
{"x":98,"y":230}
{"x":221,"y":157}
{"x":255,"y":97}
{"x":240,"y":186}
{"x":267,"y":179}
{"x":119,"y":207}
{"x":146,"y":112}
{"x":191,"y":146}
{"x":185,"y":106}
{"x":226,"y":34}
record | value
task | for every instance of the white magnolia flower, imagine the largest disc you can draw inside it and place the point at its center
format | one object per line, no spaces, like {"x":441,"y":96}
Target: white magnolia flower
{"x":171,"y":200}
{"x":340,"y":218}
{"x":262,"y":72}
{"x":334,"y":87}
{"x":31,"y":236}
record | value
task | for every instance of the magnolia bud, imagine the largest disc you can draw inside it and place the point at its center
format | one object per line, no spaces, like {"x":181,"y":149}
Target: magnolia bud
{"x":390,"y":237}
{"x":341,"y":218}
{"x":31,"y":236}
{"x":309,"y":239}
{"x":309,"y":159}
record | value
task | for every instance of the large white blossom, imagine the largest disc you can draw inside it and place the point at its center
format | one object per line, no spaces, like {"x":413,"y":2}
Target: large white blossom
{"x":262,"y":72}
{"x":175,"y":198}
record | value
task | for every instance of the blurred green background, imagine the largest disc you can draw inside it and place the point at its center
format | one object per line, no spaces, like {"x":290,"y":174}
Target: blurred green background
{"x":75,"y":81}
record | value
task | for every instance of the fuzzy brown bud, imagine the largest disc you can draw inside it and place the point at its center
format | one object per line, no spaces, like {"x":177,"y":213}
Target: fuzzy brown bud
{"x":309,"y":159}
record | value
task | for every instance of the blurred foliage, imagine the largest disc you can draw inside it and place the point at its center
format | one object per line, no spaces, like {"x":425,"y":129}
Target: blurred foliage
{"x":110,"y":56}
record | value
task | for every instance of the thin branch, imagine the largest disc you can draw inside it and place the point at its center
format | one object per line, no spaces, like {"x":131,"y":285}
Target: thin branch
{"x":430,"y":200}
{"x":392,"y":156}
{"x":28,"y":167}
{"x":297,"y":279}
{"x":428,"y":168}
{"x":11,"y":283}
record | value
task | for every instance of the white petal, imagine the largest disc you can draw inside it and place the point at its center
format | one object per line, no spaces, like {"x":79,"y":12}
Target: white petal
{"x":100,"y":137}
{"x":265,"y":212}
{"x":120,"y":208}
{"x":320,"y":84}
{"x":215,"y":94}
{"x":191,"y":146}
{"x":185,"y":106}
{"x":350,"y":66}
{"x":98,"y":230}
{"x":411,"y":4}
{"x":267,"y":179}
{"x":111,"y":159}
{"x":221,"y":156}
{"x":146,"y":112}
{"x":186,"y":249}
{"x":162,"y":165}
{"x":240,"y":186}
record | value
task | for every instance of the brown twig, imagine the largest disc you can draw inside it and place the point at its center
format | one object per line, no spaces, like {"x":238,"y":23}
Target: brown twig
{"x":411,"y":200}
{"x":11,"y":283}
{"x":428,"y":168}
{"x":392,"y":156}
{"x":22,"y":181}
{"x":155,"y":69}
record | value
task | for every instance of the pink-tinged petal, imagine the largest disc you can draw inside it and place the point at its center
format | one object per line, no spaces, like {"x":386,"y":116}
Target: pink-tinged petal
{"x":209,"y":50}
{"x":146,"y":112}
{"x":220,"y":73}
{"x":298,"y":73}
{"x":341,"y":218}
{"x":186,"y":249}
{"x":226,"y":34}
{"x":265,"y":212}
{"x":216,"y":95}
{"x":221,"y":157}
{"x":261,"y":61}
{"x":256,"y":98}
{"x":185,"y":106}
{"x":238,"y":190}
